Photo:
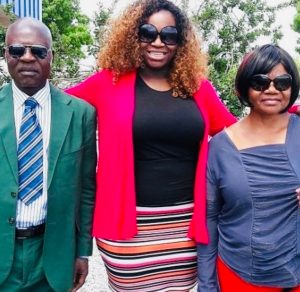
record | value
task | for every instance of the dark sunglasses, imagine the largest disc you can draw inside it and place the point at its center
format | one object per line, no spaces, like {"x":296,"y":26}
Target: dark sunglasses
{"x":17,"y":51}
{"x":261,"y":82}
{"x":168,"y":35}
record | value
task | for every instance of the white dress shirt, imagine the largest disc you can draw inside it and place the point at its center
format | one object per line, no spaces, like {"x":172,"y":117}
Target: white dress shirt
{"x":35,"y":213}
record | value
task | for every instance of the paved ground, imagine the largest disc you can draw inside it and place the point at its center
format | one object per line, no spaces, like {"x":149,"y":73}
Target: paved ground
{"x":96,"y":280}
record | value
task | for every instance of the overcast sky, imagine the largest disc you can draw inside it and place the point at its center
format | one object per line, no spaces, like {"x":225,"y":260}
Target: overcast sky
{"x":285,"y":18}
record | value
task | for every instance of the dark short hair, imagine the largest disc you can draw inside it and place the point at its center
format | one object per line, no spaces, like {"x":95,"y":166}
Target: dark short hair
{"x":181,"y":19}
{"x":261,"y":61}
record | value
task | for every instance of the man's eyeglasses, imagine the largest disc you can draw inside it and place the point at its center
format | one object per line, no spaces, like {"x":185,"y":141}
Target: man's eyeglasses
{"x":261,"y":82}
{"x":168,"y":35}
{"x":17,"y":50}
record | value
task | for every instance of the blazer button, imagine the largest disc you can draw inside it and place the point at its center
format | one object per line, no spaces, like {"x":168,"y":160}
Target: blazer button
{"x":13,"y":194}
{"x":11,"y":220}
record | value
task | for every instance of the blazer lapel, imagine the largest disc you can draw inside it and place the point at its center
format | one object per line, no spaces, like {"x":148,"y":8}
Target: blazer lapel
{"x":61,"y":115}
{"x":8,"y":129}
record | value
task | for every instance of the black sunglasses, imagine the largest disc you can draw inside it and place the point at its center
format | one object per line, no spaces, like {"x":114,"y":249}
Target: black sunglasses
{"x":17,"y":50}
{"x":261,"y":82}
{"x":168,"y":35}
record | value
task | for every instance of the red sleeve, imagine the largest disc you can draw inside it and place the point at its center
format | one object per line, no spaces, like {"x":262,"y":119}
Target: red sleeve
{"x":88,"y":89}
{"x":293,"y":109}
{"x":218,"y":115}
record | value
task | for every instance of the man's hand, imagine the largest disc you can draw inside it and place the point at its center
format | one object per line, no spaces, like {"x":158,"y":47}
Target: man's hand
{"x":80,"y":273}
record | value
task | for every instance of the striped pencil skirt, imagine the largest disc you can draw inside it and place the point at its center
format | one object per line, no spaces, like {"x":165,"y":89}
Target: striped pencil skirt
{"x":159,"y":258}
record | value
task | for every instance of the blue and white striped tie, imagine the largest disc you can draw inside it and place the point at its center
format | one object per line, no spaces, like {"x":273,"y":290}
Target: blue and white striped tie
{"x":30,"y":155}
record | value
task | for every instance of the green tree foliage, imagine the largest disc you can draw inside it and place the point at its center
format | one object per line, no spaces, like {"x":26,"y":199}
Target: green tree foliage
{"x":229,"y":28}
{"x":100,"y":20}
{"x":7,"y":10}
{"x":297,"y":61}
{"x":296,"y":24}
{"x":70,"y":31}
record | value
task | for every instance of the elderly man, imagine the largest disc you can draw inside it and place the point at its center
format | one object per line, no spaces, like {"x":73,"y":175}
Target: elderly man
{"x":47,"y":171}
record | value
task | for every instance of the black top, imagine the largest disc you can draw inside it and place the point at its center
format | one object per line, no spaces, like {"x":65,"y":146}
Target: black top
{"x":167,"y":133}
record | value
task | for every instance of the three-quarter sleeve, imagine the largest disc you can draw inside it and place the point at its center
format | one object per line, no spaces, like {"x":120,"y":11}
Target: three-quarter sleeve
{"x":207,"y":254}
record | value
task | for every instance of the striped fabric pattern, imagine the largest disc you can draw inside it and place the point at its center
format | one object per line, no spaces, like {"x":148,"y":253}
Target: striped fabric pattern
{"x":30,"y":155}
{"x":159,"y":258}
{"x":35,"y":213}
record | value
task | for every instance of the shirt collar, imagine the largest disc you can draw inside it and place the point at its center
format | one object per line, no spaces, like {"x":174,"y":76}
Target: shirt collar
{"x":41,"y":96}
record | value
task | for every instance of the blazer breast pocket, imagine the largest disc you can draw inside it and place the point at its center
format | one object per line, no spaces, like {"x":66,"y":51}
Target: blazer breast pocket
{"x":77,"y":154}
{"x":68,"y":167}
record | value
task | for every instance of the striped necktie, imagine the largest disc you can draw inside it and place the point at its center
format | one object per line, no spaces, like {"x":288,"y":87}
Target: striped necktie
{"x":30,"y":155}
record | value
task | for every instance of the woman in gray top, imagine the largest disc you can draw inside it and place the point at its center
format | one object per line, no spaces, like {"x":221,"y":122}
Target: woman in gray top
{"x":253,"y":173}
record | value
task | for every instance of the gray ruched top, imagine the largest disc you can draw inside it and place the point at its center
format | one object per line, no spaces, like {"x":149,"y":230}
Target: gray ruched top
{"x":253,"y":214}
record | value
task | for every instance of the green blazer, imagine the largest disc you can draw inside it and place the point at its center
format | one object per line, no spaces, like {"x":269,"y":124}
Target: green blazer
{"x":71,"y":186}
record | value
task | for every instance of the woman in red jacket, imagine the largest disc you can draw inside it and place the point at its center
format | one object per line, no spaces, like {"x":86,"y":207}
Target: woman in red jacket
{"x":156,"y":110}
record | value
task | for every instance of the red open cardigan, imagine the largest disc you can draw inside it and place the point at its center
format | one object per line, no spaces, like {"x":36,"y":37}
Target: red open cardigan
{"x":115,"y":209}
